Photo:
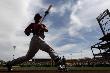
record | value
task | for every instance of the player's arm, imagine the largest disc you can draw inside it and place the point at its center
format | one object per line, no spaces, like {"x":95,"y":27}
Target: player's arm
{"x":44,"y":28}
{"x":28,"y":30}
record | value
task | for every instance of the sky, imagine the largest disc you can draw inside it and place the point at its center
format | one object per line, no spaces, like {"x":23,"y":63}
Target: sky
{"x":72,"y":26}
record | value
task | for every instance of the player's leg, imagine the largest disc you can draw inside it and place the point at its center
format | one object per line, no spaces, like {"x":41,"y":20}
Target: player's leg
{"x":45,"y":47}
{"x":31,"y":52}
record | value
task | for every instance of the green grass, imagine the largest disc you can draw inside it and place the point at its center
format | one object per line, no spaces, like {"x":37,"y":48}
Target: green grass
{"x":69,"y":68}
{"x":54,"y":68}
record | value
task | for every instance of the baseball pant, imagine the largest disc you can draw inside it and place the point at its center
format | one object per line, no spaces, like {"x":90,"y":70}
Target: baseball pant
{"x":35,"y":44}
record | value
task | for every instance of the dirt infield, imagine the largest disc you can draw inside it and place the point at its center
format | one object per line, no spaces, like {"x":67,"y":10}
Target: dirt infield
{"x":53,"y":71}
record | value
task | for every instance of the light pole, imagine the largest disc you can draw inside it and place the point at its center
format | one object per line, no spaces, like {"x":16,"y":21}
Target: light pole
{"x":14,"y":51}
{"x":71,"y":56}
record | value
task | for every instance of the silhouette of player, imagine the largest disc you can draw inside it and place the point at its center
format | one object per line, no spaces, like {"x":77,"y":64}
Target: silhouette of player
{"x":62,"y":65}
{"x":63,"y":61}
{"x":37,"y":42}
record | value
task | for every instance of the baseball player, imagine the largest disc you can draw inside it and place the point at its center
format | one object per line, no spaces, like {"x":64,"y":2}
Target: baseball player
{"x":37,"y":42}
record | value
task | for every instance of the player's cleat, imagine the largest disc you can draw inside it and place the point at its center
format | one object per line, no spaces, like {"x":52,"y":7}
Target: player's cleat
{"x":62,"y":68}
{"x":9,"y":67}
